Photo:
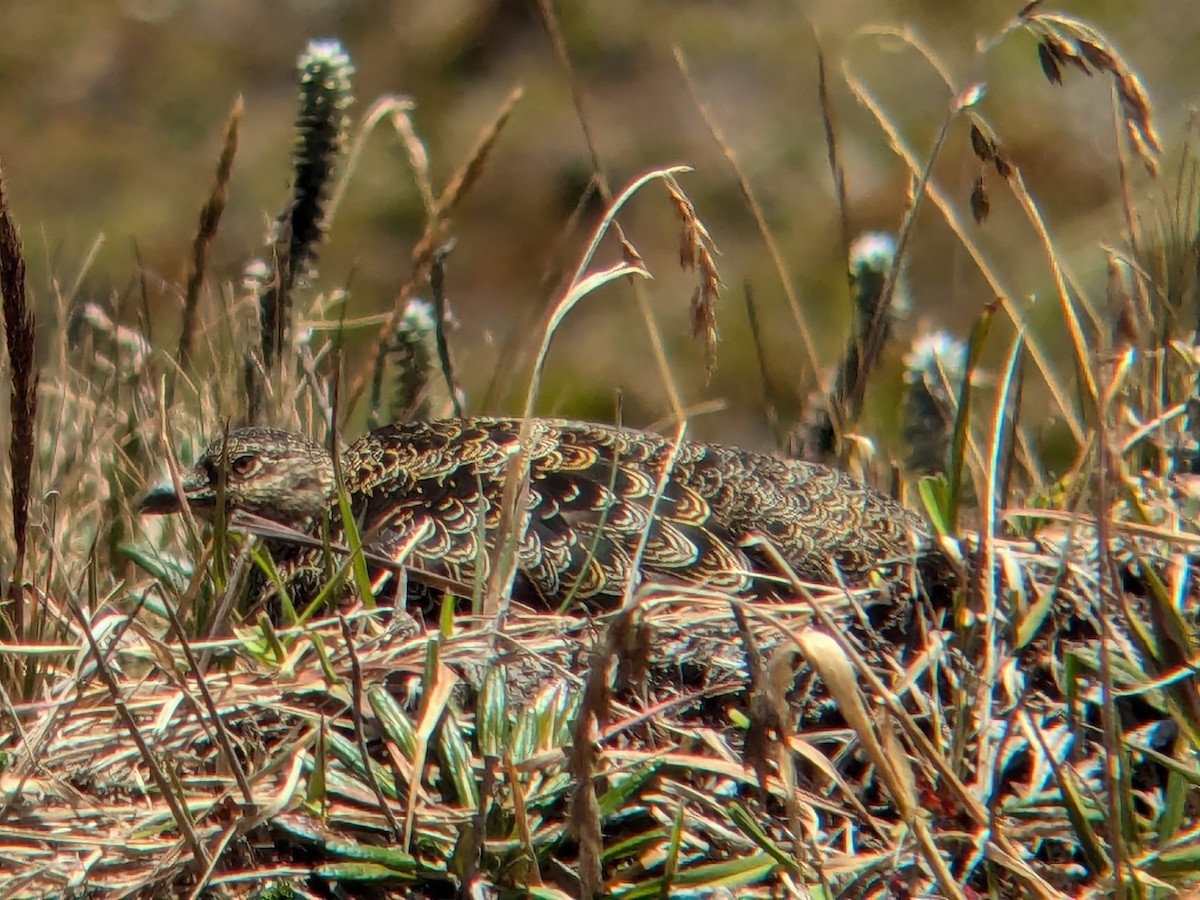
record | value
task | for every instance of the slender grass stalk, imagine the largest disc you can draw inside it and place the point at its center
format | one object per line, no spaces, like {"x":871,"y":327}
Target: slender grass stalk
{"x":1037,"y":350}
{"x":206,"y":232}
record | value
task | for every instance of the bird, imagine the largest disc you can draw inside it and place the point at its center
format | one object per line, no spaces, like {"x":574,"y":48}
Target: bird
{"x":605,"y":508}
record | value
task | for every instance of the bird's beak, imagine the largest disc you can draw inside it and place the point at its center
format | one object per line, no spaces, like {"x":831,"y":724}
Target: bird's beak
{"x":162,"y":499}
{"x":159,"y":500}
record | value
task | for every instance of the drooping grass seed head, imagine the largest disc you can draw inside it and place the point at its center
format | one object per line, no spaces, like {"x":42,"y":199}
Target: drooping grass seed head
{"x":275,"y":474}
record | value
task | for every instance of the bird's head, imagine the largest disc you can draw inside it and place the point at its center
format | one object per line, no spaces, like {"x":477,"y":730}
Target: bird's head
{"x":275,"y":474}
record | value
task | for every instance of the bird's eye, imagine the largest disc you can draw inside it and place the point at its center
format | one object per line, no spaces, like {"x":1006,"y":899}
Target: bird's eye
{"x":242,"y":465}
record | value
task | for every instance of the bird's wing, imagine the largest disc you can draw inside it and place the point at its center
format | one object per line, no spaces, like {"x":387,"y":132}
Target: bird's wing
{"x":594,"y":509}
{"x":603,"y":501}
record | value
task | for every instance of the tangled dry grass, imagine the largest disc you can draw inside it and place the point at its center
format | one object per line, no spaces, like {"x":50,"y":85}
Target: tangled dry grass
{"x":360,"y":751}
{"x":1031,"y":730}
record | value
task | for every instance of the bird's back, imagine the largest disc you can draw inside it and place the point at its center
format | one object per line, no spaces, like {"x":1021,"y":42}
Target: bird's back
{"x":602,"y":499}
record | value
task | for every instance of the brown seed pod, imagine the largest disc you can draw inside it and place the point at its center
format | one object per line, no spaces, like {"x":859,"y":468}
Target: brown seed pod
{"x":982,"y":144}
{"x":1049,"y":64}
{"x":980,"y":204}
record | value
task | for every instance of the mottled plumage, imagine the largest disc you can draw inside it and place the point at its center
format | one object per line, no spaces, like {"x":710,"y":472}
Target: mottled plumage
{"x":433,"y":492}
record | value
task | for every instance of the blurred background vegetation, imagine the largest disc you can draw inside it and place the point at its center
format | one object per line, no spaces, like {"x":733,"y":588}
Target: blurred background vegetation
{"x":112,"y":113}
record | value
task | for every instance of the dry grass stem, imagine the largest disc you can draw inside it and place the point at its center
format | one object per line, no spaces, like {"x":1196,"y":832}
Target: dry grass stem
{"x":813,"y":359}
{"x":206,"y":232}
{"x":946,"y":208}
{"x":434,"y":235}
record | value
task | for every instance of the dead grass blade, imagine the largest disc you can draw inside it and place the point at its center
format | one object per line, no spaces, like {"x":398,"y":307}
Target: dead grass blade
{"x":701,"y":311}
{"x":812,"y":358}
{"x":206,"y":231}
{"x":169,"y":789}
{"x":433,"y":238}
